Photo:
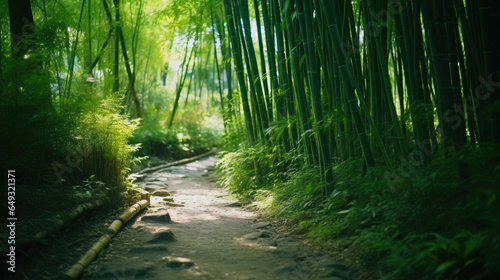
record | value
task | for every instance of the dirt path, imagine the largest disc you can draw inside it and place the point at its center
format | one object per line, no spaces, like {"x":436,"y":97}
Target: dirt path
{"x":204,"y":235}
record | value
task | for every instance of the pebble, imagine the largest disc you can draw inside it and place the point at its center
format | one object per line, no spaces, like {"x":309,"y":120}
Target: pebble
{"x":256,"y":235}
{"x":161,"y":193}
{"x":234,"y":204}
{"x":261,"y":225}
{"x":178,"y":262}
{"x":165,"y":236}
{"x":127,"y":271}
{"x":335,"y":273}
{"x":268,"y":242}
{"x":171,"y":204}
{"x":287,"y":251}
{"x":286,"y":268}
{"x":157,"y":218}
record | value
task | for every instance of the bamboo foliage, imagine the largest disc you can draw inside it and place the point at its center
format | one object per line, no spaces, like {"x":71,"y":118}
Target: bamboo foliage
{"x":236,"y":48}
{"x":382,"y":81}
{"x":183,"y":72}
{"x":305,"y":15}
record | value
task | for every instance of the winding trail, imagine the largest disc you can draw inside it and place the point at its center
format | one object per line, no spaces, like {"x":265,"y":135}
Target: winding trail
{"x":194,"y":231}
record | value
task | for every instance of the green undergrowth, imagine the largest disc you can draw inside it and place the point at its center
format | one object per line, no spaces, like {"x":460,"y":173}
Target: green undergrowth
{"x":438,"y":222}
{"x":193,"y":134}
{"x":66,"y":155}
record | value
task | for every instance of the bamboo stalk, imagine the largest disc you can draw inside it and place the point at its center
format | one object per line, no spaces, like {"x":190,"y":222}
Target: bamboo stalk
{"x":236,"y":48}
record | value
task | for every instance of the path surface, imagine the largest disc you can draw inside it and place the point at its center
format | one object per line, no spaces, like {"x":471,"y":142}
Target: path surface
{"x":203,"y":234}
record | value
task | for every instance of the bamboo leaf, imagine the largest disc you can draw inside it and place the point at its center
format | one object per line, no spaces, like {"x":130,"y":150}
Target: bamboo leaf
{"x":491,"y":199}
{"x":444,"y":266}
{"x":470,"y":246}
{"x":302,"y":59}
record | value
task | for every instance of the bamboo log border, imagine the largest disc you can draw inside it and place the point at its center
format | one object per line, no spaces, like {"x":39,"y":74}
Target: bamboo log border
{"x":82,"y":208}
{"x":63,"y":221}
{"x":76,"y":270}
{"x":179,"y":162}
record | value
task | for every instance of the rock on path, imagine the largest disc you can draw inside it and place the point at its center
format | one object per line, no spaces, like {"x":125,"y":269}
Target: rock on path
{"x":204,"y":235}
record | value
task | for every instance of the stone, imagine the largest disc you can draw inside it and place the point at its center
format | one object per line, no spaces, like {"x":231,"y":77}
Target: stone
{"x":148,"y":249}
{"x":329,"y":262}
{"x":333,"y":272}
{"x":127,"y":271}
{"x":137,"y":177}
{"x":285,"y":240}
{"x":268,"y":242}
{"x":256,"y":235}
{"x":171,"y":204}
{"x":299,"y":273}
{"x":285,"y":268}
{"x":235,"y":204}
{"x":287,"y":251}
{"x":157,"y":185}
{"x":154,"y":179}
{"x":157,"y":218}
{"x":161,"y":193}
{"x":261,"y":225}
{"x":165,"y":236}
{"x":169,"y":199}
{"x":178,"y":262}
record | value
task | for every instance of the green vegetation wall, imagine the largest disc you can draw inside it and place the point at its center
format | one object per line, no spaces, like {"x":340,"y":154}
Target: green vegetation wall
{"x":372,"y":122}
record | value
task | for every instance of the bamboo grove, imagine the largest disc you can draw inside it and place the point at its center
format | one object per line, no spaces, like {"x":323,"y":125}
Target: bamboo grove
{"x":390,"y":82}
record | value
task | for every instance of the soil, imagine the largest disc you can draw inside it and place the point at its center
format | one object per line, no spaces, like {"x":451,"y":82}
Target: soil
{"x":192,"y":230}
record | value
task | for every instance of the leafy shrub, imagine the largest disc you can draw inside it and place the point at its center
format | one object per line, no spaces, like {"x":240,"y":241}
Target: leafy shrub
{"x":102,"y":145}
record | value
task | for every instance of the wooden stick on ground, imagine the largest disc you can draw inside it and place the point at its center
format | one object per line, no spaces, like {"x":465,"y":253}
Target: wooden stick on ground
{"x":77,"y":269}
{"x":179,"y":162}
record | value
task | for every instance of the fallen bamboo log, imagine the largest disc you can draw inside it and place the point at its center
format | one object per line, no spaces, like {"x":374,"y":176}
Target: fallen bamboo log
{"x":58,"y":222}
{"x":77,"y":269}
{"x":179,"y":162}
{"x":85,"y":207}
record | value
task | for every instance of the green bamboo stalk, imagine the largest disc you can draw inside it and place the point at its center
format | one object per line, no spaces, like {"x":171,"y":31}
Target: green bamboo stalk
{"x":236,"y":48}
{"x":271,"y":54}
{"x":300,"y":93}
{"x":181,"y":79}
{"x":305,"y":15}
{"x":262,"y":57}
{"x":254,"y":71}
{"x":350,"y":89}
{"x":216,"y":62}
{"x":116,"y":50}
{"x":73,"y":53}
{"x":439,"y":62}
